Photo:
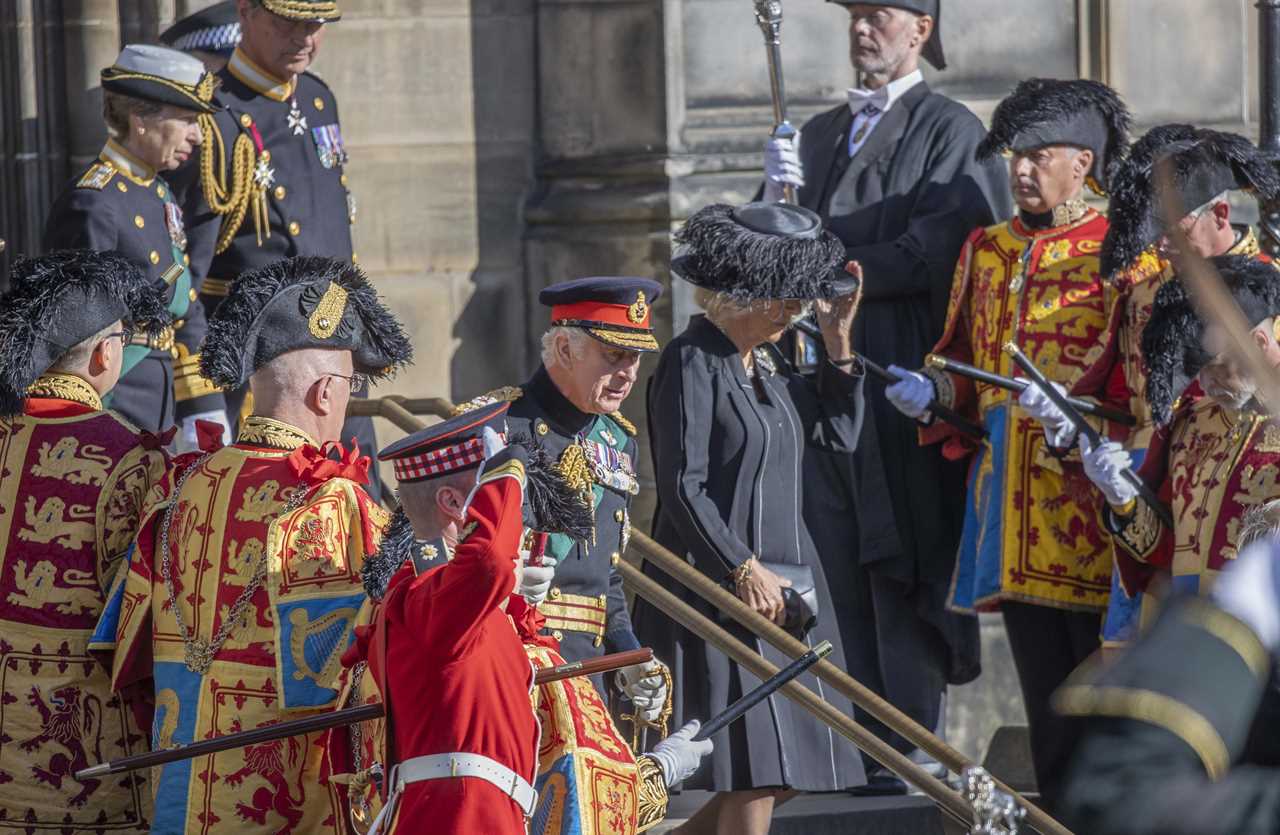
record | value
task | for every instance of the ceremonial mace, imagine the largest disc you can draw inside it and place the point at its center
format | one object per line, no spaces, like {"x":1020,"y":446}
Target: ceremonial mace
{"x":335,"y":719}
{"x":1086,"y":429}
{"x":769,"y":17}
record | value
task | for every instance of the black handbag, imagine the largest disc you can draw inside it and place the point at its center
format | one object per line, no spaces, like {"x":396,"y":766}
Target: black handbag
{"x":799,"y":600}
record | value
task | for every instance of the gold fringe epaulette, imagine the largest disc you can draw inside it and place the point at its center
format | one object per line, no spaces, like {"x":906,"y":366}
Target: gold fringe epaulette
{"x":627,"y":426}
{"x":505,"y":394}
{"x":97,"y":177}
{"x":247,"y":188}
{"x":188,"y":382}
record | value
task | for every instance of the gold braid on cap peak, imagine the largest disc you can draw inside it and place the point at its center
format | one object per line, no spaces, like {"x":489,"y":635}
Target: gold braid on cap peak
{"x":232,"y":203}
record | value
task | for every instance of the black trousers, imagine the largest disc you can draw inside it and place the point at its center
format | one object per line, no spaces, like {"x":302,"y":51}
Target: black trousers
{"x":1048,"y":644}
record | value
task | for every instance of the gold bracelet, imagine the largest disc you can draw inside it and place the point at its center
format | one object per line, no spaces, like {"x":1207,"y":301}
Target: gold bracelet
{"x":743,"y":572}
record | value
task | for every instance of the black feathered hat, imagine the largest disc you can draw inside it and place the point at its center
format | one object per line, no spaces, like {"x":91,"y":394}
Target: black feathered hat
{"x":299,"y":303}
{"x":1172,"y":347}
{"x":762,"y":251}
{"x":213,"y":29}
{"x":1047,"y":111}
{"x":398,"y":544}
{"x":57,"y":301}
{"x":932,"y":51}
{"x":1203,"y":164}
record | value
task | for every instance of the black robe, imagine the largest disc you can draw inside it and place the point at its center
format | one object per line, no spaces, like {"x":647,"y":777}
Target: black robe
{"x":903,"y":206}
{"x":727,"y":460}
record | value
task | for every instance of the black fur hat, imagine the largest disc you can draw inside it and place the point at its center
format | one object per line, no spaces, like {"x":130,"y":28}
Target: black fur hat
{"x":397,"y":546}
{"x":1204,"y":163}
{"x":1172,"y":348}
{"x":1047,"y":111}
{"x":58,"y":300}
{"x":551,"y":505}
{"x":762,"y":251}
{"x":299,"y":303}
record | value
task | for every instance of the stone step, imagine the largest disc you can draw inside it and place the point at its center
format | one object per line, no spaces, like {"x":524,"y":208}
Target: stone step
{"x":832,"y":814}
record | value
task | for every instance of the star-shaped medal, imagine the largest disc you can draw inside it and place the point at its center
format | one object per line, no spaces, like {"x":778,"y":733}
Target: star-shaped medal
{"x":297,"y":122}
{"x":263,"y":174}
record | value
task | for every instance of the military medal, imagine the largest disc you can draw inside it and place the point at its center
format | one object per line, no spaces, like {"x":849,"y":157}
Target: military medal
{"x":297,"y":122}
{"x":329,"y":147}
{"x":173,"y":221}
{"x":263,"y":174}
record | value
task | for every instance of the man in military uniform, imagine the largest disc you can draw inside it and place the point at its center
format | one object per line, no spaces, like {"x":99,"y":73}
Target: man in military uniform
{"x":1180,"y":735}
{"x":74,"y":477}
{"x":1032,"y":546}
{"x":469,"y":637}
{"x":151,"y":99}
{"x":244,"y":586}
{"x":1205,"y":167}
{"x":270,"y":181}
{"x":590,"y":362}
{"x":1217,"y":452}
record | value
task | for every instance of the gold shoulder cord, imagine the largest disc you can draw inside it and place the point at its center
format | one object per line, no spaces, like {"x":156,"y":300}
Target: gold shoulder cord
{"x":231,"y":203}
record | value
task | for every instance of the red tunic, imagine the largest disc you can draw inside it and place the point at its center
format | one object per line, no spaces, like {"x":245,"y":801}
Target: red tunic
{"x":457,"y":674}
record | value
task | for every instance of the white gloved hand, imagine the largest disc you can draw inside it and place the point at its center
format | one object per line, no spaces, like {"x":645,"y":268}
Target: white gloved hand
{"x":912,"y":393}
{"x":189,"y":441}
{"x":1058,"y":430}
{"x":535,"y":580}
{"x":1104,"y":466}
{"x":493,"y":442}
{"x":782,"y":166}
{"x":646,"y":687}
{"x":679,"y":756}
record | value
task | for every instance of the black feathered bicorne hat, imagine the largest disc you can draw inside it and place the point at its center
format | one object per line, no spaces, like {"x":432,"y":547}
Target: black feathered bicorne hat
{"x":1172,"y":346}
{"x":397,"y":546}
{"x":1203,"y":164}
{"x":1046,"y":111}
{"x":762,"y":251}
{"x":932,"y":51}
{"x":295,"y":304}
{"x":58,"y":300}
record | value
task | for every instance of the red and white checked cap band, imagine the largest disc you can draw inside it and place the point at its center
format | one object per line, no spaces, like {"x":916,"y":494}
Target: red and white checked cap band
{"x":438,"y":462}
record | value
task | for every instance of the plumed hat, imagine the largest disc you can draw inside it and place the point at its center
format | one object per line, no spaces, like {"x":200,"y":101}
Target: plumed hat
{"x":398,"y":544}
{"x":1172,"y":346}
{"x":1203,"y":164}
{"x":213,"y":29}
{"x":57,"y":301}
{"x":1046,"y":111}
{"x":295,"y":304}
{"x":161,"y":75}
{"x":762,"y":251}
{"x":615,"y":310}
{"x":932,"y":51}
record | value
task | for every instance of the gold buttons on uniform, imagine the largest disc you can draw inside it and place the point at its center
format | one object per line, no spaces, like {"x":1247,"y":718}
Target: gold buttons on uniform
{"x":186,"y":260}
{"x":343,"y":179}
{"x":280,"y":192}
{"x":120,"y":185}
{"x":355,"y":259}
{"x":193,"y":295}
{"x":618,"y":516}
{"x":557,"y":634}
{"x":138,"y":221}
{"x":554,"y":594}
{"x":540,"y":426}
{"x":155,"y":257}
{"x":160,"y":191}
{"x":318,"y":102}
{"x":615,"y":558}
{"x":294,"y":227}
{"x":246,"y":120}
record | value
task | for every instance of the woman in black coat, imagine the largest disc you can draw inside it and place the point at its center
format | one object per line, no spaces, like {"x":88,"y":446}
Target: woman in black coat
{"x":728,"y":424}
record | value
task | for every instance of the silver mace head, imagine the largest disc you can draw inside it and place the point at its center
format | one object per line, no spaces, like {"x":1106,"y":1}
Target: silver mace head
{"x":769,"y":16}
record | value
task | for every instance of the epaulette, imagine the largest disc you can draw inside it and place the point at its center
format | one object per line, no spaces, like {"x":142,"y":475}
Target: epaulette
{"x":97,"y":177}
{"x":505,"y":394}
{"x":627,"y":426}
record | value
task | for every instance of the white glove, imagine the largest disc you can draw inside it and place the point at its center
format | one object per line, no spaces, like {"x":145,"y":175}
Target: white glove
{"x":535,"y":580}
{"x":646,"y":687}
{"x":188,"y":441}
{"x":1250,"y":589}
{"x":1104,"y":466}
{"x":1058,"y":431}
{"x":679,"y":756}
{"x":493,"y":442}
{"x":781,"y":167}
{"x":912,"y":393}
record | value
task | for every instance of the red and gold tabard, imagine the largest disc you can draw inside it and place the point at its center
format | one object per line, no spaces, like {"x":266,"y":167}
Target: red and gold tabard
{"x":1210,"y":465}
{"x":1032,"y":528}
{"x":71,"y":492}
{"x":241,"y":598}
{"x":589,"y":780}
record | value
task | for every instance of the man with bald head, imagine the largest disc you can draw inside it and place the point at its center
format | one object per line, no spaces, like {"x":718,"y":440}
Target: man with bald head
{"x":244,"y":585}
{"x":893,"y":175}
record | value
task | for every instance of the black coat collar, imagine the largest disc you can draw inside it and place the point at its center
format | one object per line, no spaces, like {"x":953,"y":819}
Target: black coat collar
{"x":563,"y":416}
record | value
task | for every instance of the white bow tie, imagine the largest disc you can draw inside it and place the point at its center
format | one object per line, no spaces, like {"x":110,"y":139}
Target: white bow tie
{"x":859,"y":99}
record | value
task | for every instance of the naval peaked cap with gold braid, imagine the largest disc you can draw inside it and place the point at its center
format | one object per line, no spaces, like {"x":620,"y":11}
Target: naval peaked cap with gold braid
{"x":300,"y":303}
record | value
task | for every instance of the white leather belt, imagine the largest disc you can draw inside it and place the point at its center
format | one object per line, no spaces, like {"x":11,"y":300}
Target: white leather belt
{"x":450,"y":766}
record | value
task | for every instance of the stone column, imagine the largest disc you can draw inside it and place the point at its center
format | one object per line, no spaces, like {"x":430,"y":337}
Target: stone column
{"x":91,"y":34}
